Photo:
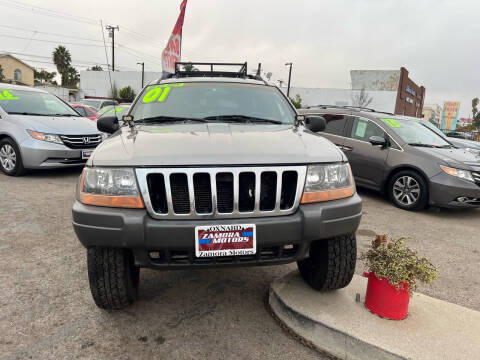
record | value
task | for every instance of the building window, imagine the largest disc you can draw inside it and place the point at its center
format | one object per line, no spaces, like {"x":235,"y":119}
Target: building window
{"x":17,"y":75}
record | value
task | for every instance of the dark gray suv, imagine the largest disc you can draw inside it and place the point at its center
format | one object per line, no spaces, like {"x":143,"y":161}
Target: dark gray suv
{"x":403,"y":158}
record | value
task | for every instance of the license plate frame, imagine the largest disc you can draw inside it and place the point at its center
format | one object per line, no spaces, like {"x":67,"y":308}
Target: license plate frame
{"x":86,"y":154}
{"x":225,"y":240}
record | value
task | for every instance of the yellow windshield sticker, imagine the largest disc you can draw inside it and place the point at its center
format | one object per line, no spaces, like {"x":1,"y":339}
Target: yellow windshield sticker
{"x":159,"y":93}
{"x":116,"y":110}
{"x":392,"y":123}
{"x":7,"y":95}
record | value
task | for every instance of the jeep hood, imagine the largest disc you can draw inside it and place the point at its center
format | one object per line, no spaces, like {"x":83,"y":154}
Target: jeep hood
{"x":214,"y":144}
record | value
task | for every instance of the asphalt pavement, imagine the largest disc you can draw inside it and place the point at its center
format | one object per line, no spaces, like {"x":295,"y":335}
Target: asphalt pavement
{"x":46,"y":310}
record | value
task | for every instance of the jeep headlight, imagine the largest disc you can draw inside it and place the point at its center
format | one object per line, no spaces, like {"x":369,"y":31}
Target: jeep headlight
{"x":327,"y":182}
{"x":113,"y":187}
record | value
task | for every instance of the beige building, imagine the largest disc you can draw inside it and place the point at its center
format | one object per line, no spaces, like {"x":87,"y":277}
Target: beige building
{"x":15,"y":70}
{"x":432,"y":113}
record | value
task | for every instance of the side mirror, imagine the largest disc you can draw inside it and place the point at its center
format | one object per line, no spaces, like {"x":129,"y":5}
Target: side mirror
{"x":378,"y":140}
{"x":315,"y":123}
{"x":108,"y":124}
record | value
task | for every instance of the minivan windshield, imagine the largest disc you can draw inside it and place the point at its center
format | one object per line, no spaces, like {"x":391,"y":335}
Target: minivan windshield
{"x":33,"y":103}
{"x":212,"y":101}
{"x":414,"y":133}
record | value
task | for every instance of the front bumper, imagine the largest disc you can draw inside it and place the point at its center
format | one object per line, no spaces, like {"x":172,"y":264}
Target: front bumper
{"x":445,"y":190}
{"x":41,"y":154}
{"x":280,"y":239}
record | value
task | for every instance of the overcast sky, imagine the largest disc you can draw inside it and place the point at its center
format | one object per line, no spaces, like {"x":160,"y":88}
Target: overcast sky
{"x":438,"y":41}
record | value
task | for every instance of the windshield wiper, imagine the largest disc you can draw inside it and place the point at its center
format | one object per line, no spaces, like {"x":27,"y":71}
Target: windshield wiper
{"x":425,"y":145}
{"x":26,"y":113}
{"x":242,"y":118}
{"x":161,"y":119}
{"x":66,"y":115}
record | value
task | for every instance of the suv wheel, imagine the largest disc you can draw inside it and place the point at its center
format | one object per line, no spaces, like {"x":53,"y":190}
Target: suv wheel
{"x":331,"y":263}
{"x":10,"y":158}
{"x":113,"y":277}
{"x":408,"y":190}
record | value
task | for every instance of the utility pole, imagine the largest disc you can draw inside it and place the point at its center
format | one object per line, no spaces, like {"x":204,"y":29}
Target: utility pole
{"x":289,"y":77}
{"x":143,"y":70}
{"x":111,"y":30}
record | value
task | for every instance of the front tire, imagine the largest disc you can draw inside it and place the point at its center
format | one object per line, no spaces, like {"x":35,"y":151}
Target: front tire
{"x":113,"y":277}
{"x":408,"y":190}
{"x":10,"y":158}
{"x":331,"y":263}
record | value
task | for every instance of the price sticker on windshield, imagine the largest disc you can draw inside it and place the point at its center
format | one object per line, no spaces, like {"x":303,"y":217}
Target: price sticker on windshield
{"x":159,"y":93}
{"x":391,"y":122}
{"x":7,"y":95}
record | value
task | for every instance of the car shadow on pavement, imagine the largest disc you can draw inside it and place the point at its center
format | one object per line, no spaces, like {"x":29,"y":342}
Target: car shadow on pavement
{"x":451,"y":213}
{"x":51,"y":173}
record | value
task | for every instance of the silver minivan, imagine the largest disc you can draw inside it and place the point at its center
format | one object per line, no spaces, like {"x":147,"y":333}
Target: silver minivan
{"x":38,"y":130}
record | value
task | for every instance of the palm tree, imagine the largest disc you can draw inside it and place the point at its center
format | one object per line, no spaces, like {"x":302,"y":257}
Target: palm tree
{"x":62,"y":60}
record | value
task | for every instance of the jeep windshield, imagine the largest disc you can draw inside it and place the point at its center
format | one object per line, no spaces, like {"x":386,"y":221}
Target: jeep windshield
{"x":33,"y":103}
{"x":213,"y":102}
{"x":414,"y":133}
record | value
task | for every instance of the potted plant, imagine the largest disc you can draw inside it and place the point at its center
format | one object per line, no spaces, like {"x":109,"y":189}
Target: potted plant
{"x":393,"y":272}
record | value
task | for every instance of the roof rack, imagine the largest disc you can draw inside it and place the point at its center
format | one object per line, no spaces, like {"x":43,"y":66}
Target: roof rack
{"x":349,"y":107}
{"x":240,"y":72}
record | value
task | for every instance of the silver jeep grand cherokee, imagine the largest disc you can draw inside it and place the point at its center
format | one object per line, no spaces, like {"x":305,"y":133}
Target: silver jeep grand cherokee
{"x":214,"y":168}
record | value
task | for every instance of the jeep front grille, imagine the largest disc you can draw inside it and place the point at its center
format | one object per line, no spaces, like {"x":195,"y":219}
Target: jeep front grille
{"x":221,"y":192}
{"x":81,"y":141}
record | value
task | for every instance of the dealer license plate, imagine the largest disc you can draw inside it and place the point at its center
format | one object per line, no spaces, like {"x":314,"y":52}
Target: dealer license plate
{"x":86,"y":154}
{"x":225,"y":240}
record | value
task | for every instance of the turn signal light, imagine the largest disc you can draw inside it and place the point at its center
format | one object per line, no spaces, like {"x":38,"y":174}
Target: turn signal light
{"x":327,"y":195}
{"x":112,"y":201}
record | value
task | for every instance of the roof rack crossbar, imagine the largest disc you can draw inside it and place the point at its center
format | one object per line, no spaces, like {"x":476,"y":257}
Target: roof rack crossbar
{"x":184,"y":73}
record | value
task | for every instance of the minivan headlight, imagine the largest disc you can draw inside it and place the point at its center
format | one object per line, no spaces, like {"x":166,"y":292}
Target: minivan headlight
{"x":327,"y":182}
{"x":113,"y":187}
{"x":45,"y":137}
{"x":462,"y":174}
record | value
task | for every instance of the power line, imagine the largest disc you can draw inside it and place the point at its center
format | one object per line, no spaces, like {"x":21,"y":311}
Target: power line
{"x":50,"y":41}
{"x":46,"y":12}
{"x":49,"y":33}
{"x":49,"y":57}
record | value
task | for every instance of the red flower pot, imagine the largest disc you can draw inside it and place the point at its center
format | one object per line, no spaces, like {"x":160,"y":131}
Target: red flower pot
{"x":386,"y":300}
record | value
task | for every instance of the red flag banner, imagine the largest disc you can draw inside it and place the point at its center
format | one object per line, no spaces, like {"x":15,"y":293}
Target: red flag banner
{"x":172,"y":52}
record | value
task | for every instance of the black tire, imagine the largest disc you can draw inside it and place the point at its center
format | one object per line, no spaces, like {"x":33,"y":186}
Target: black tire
{"x":113,"y":277}
{"x":331,"y":263}
{"x":422,"y":200}
{"x":18,"y":170}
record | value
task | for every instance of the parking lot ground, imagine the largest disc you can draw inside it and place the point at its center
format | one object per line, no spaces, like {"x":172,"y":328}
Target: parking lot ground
{"x":46,"y":311}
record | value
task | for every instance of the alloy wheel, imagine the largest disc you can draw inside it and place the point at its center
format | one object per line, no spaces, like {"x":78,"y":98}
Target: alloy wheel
{"x":8,"y":157}
{"x":406,"y":190}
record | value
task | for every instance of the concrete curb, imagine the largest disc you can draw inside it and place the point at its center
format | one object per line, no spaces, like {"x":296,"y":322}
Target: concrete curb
{"x":336,"y":324}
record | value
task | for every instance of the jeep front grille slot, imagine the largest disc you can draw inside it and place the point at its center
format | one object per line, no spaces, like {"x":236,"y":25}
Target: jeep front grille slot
{"x":246,"y":192}
{"x":225,"y":192}
{"x":158,"y":195}
{"x":185,"y":193}
{"x":203,"y":193}
{"x":180,"y":196}
{"x":268,"y":190}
